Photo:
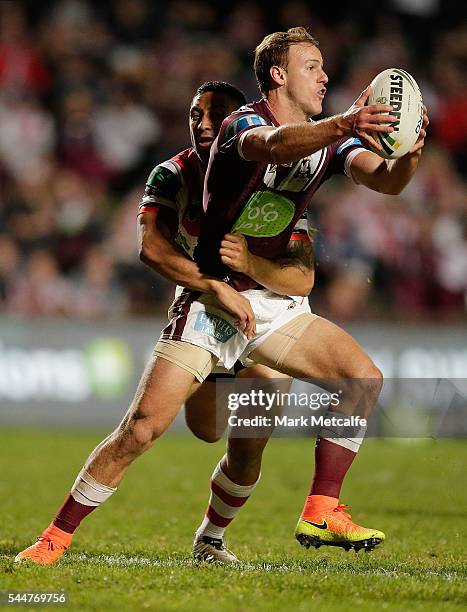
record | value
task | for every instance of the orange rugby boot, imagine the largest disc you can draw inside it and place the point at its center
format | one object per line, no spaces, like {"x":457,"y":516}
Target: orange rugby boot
{"x":324,"y":522}
{"x":48,"y":549}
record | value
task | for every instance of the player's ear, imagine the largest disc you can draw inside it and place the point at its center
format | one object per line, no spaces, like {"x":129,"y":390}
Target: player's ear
{"x":277,"y":75}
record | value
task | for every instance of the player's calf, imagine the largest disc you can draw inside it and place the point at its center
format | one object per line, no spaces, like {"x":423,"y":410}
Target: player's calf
{"x":242,"y":462}
{"x":359,"y":387}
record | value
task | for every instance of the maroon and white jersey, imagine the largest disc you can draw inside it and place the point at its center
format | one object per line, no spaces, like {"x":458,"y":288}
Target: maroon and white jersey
{"x":178,"y":184}
{"x":262,"y":201}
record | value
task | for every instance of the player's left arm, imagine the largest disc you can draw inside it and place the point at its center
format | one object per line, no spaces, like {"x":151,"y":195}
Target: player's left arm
{"x":292,"y":274}
{"x":389,"y":176}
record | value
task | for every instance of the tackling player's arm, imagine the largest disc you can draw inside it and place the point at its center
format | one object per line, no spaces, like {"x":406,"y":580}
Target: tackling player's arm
{"x":389,"y":176}
{"x":291,"y":142}
{"x":292,"y":274}
{"x":158,"y":221}
{"x":157,"y":227}
{"x":159,"y":251}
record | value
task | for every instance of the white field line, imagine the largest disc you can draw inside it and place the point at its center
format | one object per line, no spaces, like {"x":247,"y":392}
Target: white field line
{"x":141,"y":561}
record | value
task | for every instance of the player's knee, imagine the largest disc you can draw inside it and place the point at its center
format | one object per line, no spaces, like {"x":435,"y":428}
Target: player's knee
{"x":367,"y":373}
{"x":363,"y":382}
{"x":152,"y":431}
{"x":138,"y":434}
{"x":371,"y":382}
{"x":374,"y":379}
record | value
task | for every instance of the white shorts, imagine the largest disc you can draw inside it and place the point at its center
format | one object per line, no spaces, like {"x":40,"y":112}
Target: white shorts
{"x":199,"y":319}
{"x":219,"y":369}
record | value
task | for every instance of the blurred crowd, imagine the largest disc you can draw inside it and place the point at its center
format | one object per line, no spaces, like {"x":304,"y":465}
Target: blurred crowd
{"x":93,"y":95}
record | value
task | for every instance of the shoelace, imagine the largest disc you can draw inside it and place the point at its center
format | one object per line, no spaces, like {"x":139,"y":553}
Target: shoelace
{"x":51,"y":545}
{"x":39,"y":552}
{"x":342,"y":508}
{"x":50,"y":542}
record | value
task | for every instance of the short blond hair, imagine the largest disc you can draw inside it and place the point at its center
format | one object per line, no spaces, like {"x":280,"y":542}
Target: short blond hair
{"x":273,"y":50}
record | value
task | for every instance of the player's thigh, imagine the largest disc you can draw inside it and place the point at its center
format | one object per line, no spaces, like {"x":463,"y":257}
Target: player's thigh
{"x":321,"y":351}
{"x":261,"y":371}
{"x":161,"y":392}
{"x":332,"y":358}
{"x":262,"y":377}
{"x":166,"y":383}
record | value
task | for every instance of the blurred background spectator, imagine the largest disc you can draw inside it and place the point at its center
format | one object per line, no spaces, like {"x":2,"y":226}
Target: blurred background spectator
{"x":93,"y":95}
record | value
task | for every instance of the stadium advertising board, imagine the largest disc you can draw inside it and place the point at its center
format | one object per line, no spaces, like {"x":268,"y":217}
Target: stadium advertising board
{"x":66,"y":373}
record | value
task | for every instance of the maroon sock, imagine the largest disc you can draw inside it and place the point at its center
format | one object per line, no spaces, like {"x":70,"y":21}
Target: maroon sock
{"x":71,"y":514}
{"x":332,"y":462}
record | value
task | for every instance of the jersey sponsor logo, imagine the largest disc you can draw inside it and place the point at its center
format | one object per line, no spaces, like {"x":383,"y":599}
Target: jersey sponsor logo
{"x":266,"y":214}
{"x":162,"y":182}
{"x":214,"y":326}
{"x":241,"y":123}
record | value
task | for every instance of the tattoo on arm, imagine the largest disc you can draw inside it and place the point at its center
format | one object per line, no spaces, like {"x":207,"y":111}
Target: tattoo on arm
{"x":299,"y":254}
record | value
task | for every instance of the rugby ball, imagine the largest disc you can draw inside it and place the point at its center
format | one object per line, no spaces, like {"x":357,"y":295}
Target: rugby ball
{"x":398,"y":88}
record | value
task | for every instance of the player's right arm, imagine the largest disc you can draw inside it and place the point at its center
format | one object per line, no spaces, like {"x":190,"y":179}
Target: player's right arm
{"x":159,"y":251}
{"x":292,"y":274}
{"x":157,"y":225}
{"x":293,"y":141}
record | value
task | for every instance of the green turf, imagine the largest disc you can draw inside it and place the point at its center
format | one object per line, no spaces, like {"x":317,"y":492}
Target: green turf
{"x":134,"y":552}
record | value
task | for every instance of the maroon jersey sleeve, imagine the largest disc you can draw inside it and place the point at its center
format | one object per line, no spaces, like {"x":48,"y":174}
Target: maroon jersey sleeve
{"x":342,"y":153}
{"x":234,"y":127}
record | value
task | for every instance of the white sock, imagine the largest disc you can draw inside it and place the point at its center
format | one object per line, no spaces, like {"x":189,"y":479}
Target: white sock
{"x":226,"y":500}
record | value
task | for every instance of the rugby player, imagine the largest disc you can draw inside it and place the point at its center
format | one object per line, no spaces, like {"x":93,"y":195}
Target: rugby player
{"x":169,"y":219}
{"x":268,"y":161}
{"x":170,"y":214}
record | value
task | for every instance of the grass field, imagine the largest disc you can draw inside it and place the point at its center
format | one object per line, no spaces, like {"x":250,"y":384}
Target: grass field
{"x":134,"y":552}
